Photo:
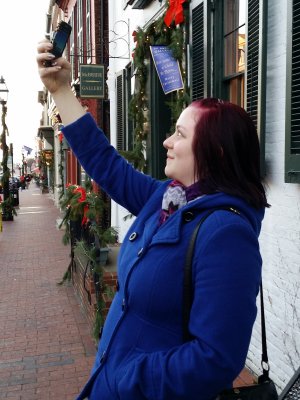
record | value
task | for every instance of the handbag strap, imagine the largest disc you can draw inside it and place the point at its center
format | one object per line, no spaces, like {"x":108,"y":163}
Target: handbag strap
{"x":188,"y":294}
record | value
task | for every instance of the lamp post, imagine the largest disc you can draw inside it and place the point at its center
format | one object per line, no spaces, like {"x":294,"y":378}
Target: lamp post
{"x":11,"y":153}
{"x":7,"y":207}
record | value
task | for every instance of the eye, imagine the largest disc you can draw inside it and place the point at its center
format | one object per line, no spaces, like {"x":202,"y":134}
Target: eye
{"x":178,"y":133}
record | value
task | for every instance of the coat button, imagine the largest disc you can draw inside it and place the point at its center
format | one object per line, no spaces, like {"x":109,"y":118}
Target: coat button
{"x":133,"y":236}
{"x":188,"y":216}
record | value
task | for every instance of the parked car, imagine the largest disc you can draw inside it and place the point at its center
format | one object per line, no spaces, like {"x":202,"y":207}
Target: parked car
{"x":14,"y":183}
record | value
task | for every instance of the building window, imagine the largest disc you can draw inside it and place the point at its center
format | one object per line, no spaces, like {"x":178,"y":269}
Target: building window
{"x":233,"y":63}
{"x":88,"y":30}
{"x":72,"y":48}
{"x":79,"y":33}
{"x":234,"y":49}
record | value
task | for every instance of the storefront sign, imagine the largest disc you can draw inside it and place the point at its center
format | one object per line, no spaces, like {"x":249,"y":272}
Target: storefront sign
{"x":167,"y":68}
{"x":92,"y":81}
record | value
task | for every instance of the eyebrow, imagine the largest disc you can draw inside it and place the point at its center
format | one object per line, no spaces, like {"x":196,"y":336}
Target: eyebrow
{"x":180,"y":127}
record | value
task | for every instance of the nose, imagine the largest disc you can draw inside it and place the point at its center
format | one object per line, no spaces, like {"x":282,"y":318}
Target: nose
{"x":168,"y":142}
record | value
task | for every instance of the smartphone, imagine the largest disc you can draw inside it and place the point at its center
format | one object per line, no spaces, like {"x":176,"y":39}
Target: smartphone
{"x":60,"y":38}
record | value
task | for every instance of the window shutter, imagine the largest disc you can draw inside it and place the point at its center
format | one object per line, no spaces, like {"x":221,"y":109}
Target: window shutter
{"x":200,"y":41}
{"x":121,"y":116}
{"x":256,"y":69}
{"x":292,"y":139}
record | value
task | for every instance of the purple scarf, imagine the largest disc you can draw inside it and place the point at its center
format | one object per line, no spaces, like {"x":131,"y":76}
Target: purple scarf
{"x":176,"y":196}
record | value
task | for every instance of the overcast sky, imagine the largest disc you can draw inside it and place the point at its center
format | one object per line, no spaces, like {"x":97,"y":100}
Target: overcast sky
{"x":22,"y":25}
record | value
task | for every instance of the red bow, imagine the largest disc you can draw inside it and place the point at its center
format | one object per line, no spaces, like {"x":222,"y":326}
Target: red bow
{"x":175,"y":12}
{"x":82,"y":199}
{"x":82,"y":192}
{"x":85,"y":219}
{"x":60,"y":137}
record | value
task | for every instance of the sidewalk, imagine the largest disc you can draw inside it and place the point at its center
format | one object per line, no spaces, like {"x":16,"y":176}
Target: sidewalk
{"x":46,"y":350}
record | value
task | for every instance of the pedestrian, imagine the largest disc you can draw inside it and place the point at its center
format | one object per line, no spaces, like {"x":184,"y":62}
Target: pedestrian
{"x":212,"y":162}
{"x":23,"y":182}
{"x":27,"y":180}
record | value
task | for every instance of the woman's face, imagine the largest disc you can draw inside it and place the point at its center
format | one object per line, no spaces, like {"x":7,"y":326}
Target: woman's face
{"x":180,"y":158}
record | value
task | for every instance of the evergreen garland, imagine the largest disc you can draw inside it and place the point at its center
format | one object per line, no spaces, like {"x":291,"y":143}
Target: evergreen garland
{"x":156,"y":34}
{"x":61,"y":169}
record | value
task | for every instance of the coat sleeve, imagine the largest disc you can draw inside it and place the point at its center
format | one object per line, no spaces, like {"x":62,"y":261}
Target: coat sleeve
{"x":227,"y":273}
{"x":125,"y":185}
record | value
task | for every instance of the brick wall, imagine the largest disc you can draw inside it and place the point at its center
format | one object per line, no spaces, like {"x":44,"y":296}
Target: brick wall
{"x":84,"y":287}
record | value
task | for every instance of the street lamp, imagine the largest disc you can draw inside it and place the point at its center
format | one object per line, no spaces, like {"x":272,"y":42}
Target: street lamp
{"x":11,"y":153}
{"x":7,"y":206}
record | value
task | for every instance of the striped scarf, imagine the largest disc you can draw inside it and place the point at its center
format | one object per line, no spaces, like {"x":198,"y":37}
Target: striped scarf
{"x":175,"y":197}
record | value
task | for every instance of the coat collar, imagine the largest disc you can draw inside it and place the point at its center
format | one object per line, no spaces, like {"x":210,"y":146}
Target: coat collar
{"x":147,"y":223}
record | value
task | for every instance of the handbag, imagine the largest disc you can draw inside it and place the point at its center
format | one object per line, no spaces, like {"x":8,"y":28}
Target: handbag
{"x":265,"y":388}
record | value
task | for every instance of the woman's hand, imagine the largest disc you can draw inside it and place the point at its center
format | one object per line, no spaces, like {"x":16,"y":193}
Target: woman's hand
{"x":55,"y":76}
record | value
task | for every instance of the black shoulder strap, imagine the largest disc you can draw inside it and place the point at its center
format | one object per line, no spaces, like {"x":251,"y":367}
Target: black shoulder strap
{"x":188,"y":292}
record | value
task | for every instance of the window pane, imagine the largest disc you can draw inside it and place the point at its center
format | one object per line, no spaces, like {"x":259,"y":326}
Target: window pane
{"x":234,"y":14}
{"x":236,"y":90}
{"x":235,"y":52}
{"x":88,"y":29}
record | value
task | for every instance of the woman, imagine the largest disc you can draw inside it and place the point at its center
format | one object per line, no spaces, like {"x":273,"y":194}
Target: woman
{"x":212,"y":161}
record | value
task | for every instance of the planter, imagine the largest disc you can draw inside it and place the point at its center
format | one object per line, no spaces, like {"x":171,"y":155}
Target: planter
{"x":103,"y":256}
{"x":7,"y":217}
{"x":113,"y":258}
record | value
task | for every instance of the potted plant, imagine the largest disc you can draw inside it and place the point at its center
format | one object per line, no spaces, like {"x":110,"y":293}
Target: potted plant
{"x":8,"y":210}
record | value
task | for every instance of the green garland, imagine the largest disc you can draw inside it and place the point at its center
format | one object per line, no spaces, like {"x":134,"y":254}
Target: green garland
{"x":156,"y":34}
{"x":96,"y":269}
{"x":82,"y":204}
{"x":61,"y":170}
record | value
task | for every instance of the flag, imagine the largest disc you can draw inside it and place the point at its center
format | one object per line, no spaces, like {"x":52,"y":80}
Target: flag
{"x":28,"y":149}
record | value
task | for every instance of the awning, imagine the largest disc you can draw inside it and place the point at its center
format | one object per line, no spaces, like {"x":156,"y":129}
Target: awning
{"x":36,"y":170}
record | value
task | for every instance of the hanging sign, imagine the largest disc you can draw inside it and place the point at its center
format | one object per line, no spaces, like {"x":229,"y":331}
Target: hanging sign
{"x":92,"y":81}
{"x":167,"y":68}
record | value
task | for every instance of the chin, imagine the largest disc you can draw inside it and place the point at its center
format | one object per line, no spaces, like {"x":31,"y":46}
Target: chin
{"x":168,"y":175}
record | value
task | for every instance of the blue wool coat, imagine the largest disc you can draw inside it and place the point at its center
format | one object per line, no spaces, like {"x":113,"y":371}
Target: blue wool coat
{"x":141,"y":354}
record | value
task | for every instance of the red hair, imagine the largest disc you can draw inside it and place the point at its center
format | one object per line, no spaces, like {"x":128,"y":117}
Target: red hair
{"x":226,"y":151}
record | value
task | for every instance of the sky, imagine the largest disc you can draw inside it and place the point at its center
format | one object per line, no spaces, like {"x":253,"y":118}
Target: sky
{"x":22,"y":25}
